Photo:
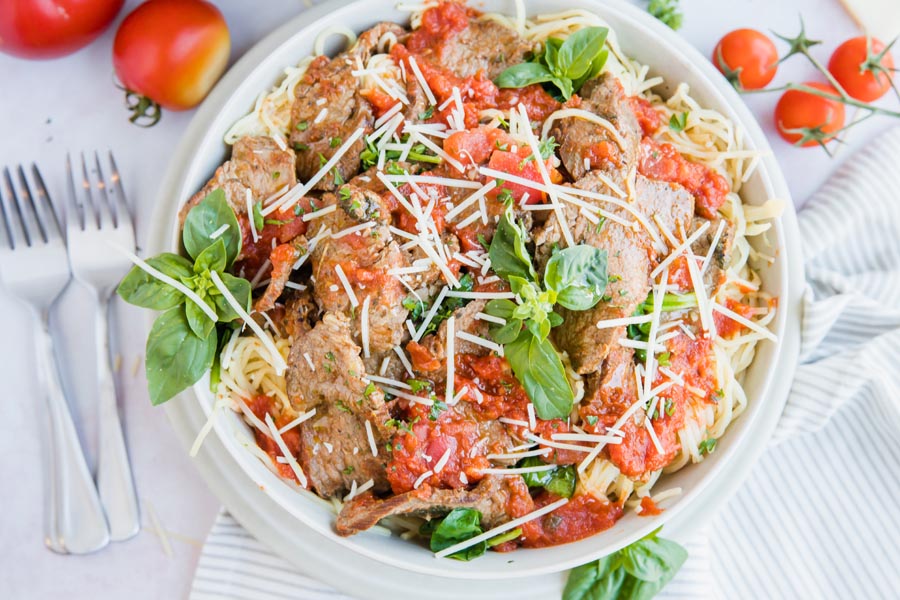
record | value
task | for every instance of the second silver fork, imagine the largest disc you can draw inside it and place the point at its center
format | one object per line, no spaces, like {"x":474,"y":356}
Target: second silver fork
{"x":96,"y":222}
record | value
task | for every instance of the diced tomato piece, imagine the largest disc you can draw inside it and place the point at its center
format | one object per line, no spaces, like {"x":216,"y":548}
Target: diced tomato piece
{"x":521,"y":165}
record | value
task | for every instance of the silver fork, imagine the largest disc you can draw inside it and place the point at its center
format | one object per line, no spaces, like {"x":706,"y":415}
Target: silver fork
{"x":96,"y":222}
{"x":34,"y":268}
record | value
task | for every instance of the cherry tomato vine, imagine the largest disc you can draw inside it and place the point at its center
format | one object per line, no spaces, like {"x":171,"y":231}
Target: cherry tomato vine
{"x":860,"y":71}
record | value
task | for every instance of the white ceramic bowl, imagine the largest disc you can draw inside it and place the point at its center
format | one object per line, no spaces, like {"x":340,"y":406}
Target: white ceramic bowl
{"x":648,"y":41}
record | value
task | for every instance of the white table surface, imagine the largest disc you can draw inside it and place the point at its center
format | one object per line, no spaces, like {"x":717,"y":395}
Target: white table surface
{"x":70,"y":104}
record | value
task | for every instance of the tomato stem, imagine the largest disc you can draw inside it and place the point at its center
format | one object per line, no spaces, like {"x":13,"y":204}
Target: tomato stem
{"x":144,"y":111}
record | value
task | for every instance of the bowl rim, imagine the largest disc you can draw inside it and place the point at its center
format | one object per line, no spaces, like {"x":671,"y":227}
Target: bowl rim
{"x":787,"y":323}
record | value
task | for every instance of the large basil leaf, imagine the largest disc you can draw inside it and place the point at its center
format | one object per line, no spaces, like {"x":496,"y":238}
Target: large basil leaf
{"x":176,"y":358}
{"x":144,"y":290}
{"x":596,"y":66}
{"x":578,"y":275}
{"x":206,"y":218}
{"x":579,"y":50}
{"x":509,"y":256}
{"x":239,"y":288}
{"x":199,"y":322}
{"x":636,"y":572}
{"x":539,"y":369}
{"x":458,"y":526}
{"x":523,"y":74}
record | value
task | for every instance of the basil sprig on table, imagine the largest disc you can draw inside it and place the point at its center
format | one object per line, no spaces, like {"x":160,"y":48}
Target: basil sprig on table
{"x":566,"y":65}
{"x":636,"y":572}
{"x":574,"y":278}
{"x":182,"y":343}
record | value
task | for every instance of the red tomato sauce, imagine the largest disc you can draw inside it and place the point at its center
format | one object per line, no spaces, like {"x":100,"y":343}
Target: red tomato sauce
{"x":439,"y":24}
{"x":728,"y":327}
{"x":415,"y":453}
{"x":581,"y":517}
{"x":663,"y":162}
{"x":260,"y":406}
{"x":649,"y":507}
{"x":647,"y":116}
{"x":283,"y":227}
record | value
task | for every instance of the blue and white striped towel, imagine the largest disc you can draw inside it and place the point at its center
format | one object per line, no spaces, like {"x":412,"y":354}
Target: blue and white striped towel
{"x":818,"y":517}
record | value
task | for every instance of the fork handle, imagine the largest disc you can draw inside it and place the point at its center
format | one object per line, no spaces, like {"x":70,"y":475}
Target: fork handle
{"x":114,"y":470}
{"x":80,"y":523}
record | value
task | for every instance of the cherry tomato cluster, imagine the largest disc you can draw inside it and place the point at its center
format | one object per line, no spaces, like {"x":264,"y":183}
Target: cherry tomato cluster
{"x":859,"y":72}
{"x":166,"y":52}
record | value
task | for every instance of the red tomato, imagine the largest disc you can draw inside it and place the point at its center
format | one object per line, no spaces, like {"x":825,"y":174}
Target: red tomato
{"x":801,"y":110}
{"x":172,"y":51}
{"x":859,"y":69}
{"x":45,"y":29}
{"x":747,"y":56}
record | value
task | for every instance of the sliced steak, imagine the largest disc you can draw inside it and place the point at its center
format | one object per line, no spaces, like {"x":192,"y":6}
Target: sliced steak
{"x":282,"y":258}
{"x":610,"y":392}
{"x":721,"y":256}
{"x":630,"y":259}
{"x":257,"y":164}
{"x":334,"y":452}
{"x":483,"y":45}
{"x":299,"y":312}
{"x":489,"y":497}
{"x":580,"y":139}
{"x":430,"y":353}
{"x":328,"y":109}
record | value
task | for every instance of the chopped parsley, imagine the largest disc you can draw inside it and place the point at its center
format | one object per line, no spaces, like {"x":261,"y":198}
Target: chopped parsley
{"x":678,"y":122}
{"x":591,"y":419}
{"x":344,"y":194}
{"x":505,"y":196}
{"x":429,"y":112}
{"x":335,"y":142}
{"x":347,"y":470}
{"x":276,"y":174}
{"x":341,"y":406}
{"x":302,"y":126}
{"x":436,"y":409}
{"x":418,"y":385}
{"x":707,"y":446}
{"x":301,"y":147}
{"x":369,"y":389}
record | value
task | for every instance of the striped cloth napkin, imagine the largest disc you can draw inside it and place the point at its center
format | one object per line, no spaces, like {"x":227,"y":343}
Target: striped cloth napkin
{"x":818,"y":516}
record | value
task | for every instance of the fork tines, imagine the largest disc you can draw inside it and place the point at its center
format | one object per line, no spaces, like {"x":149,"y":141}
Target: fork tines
{"x":29,"y":217}
{"x":102,"y":201}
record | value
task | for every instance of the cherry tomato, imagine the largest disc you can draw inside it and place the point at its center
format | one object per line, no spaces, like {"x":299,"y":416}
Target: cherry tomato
{"x":797,"y":109}
{"x":747,"y":57}
{"x":172,"y":51}
{"x":45,"y":29}
{"x":859,"y":69}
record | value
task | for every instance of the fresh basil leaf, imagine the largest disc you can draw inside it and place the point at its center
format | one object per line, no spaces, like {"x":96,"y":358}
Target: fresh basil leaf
{"x":551,"y":56}
{"x":502,"y":308}
{"x":564,"y":85}
{"x":239,"y":288}
{"x":577,"y":53}
{"x":596,"y":67}
{"x":555,"y":319}
{"x":523,"y":74}
{"x":258,"y":220}
{"x":600,"y":579}
{"x":176,"y":358}
{"x":198,"y":321}
{"x":508,"y":333}
{"x":581,"y":581}
{"x":509,"y":257}
{"x":677,"y":122}
{"x":559,"y":481}
{"x":213,"y":258}
{"x":504,"y":537}
{"x":539,"y":369}
{"x":578,"y":275}
{"x":671,"y":556}
{"x":458,"y":526}
{"x":144,"y":290}
{"x":205,"y":219}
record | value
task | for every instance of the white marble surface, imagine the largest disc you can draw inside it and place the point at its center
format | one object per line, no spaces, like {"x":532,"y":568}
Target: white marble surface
{"x":49,"y":108}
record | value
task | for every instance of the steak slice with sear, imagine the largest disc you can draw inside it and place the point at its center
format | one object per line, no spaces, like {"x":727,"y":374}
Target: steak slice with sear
{"x":257,"y":164}
{"x":580,"y":139}
{"x":489,"y":497}
{"x":630,"y":258}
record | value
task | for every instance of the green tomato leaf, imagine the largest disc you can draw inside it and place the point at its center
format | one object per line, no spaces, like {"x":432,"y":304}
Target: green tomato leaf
{"x":509,"y":256}
{"x":144,"y":290}
{"x":213,"y":258}
{"x":523,"y":74}
{"x":205,"y":219}
{"x":539,"y":369}
{"x":239,"y":288}
{"x":176,"y":358}
{"x":458,"y":526}
{"x":578,"y":275}
{"x":577,"y":53}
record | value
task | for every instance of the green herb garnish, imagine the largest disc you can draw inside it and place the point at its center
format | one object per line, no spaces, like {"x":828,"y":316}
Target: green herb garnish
{"x":565,"y":65}
{"x":182,"y":343}
{"x":666,"y":11}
